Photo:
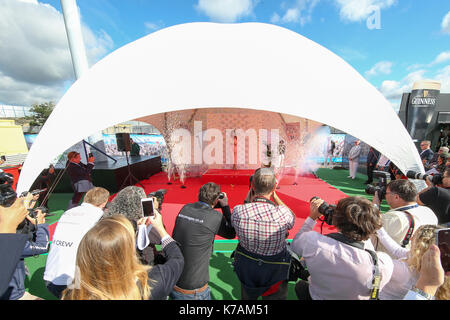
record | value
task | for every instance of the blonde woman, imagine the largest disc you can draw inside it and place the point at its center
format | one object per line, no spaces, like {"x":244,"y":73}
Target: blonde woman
{"x":109,"y":269}
{"x":408,"y":263}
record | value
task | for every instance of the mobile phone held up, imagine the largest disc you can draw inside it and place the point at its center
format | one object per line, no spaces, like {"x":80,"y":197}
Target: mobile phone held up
{"x":443,"y":242}
{"x":147,"y":207}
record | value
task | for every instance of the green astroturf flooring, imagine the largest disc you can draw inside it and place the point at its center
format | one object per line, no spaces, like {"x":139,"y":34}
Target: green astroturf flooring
{"x":223,"y":281}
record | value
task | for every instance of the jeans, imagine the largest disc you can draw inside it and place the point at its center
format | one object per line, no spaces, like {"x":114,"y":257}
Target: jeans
{"x":280,"y":294}
{"x":204,"y":295}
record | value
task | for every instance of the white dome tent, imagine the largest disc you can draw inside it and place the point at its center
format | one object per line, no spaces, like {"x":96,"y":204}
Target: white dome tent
{"x":208,"y":65}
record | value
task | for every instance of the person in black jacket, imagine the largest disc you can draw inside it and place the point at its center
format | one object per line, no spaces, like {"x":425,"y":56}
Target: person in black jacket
{"x":109,"y":269}
{"x":11,"y":243}
{"x":372,"y":160}
{"x":44,"y":181}
{"x":80,"y":176}
{"x":195,"y":228}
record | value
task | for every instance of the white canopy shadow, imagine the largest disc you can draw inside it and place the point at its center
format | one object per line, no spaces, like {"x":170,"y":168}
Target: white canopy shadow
{"x":204,"y":65}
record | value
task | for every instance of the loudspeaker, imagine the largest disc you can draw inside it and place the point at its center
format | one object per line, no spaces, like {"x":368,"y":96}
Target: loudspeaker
{"x":123,"y":142}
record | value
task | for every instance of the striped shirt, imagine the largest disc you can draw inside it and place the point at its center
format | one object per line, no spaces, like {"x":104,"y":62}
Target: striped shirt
{"x":262,"y":227}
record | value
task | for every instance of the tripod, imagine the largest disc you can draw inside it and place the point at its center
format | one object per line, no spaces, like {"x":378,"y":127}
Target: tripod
{"x":130,"y":176}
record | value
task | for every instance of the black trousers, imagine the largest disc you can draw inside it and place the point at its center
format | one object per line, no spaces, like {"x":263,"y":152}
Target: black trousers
{"x":370,"y":173}
{"x":302,"y":290}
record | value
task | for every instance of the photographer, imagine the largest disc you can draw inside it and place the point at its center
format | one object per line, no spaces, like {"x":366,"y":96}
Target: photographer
{"x":11,"y":243}
{"x":44,"y":181}
{"x":437,"y":198}
{"x":195,"y":228}
{"x":405,"y":215}
{"x":341,"y":265}
{"x":37,"y":244}
{"x":80,"y":176}
{"x":261,"y":260}
{"x":128,"y":203}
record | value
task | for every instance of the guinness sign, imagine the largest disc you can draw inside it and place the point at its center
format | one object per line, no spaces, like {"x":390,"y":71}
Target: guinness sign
{"x":422,"y":106}
{"x":425,"y":98}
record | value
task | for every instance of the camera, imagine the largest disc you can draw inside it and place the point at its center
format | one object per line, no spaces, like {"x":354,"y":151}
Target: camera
{"x":159,"y":195}
{"x":327,"y":210}
{"x":33,"y":212}
{"x":434,"y":179}
{"x":383,"y":179}
{"x":7,"y":193}
{"x":221,"y":196}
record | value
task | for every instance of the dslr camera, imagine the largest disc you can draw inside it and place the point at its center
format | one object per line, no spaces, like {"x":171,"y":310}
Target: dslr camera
{"x":434,"y":179}
{"x":327,"y":210}
{"x":159,"y":195}
{"x":383,"y":179}
{"x":221,"y":196}
{"x":7,"y":193}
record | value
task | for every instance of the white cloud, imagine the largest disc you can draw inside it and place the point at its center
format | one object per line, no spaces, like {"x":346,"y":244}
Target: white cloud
{"x":382,"y":67}
{"x":35,"y":61}
{"x":443,"y":76}
{"x":226,"y":11}
{"x":445,"y":25}
{"x":394,"y":90}
{"x":300,"y":12}
{"x":442,"y":57}
{"x":358,"y":10}
{"x":153,"y":26}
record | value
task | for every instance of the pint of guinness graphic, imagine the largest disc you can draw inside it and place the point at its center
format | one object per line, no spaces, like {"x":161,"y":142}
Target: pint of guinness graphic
{"x":422,"y":103}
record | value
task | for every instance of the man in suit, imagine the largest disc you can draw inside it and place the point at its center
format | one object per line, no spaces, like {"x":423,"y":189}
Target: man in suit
{"x":372,"y":160}
{"x":353,"y":158}
{"x":426,"y":154}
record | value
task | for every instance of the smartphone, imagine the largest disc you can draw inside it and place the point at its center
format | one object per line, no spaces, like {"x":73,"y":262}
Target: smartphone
{"x":443,"y":242}
{"x":147,"y":207}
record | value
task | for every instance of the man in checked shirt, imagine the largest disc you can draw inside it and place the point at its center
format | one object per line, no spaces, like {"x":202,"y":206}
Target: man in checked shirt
{"x":261,"y":260}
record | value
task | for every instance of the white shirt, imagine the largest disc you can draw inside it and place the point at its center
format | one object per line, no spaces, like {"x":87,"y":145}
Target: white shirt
{"x":71,"y":228}
{"x":338,"y":271}
{"x":396,"y":223}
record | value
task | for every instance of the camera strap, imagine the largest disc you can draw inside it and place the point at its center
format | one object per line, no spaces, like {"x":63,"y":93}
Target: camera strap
{"x":410,"y":229}
{"x":262,"y":199}
{"x":376,"y":278}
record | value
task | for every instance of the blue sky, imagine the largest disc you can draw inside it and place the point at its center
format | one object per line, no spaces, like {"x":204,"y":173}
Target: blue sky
{"x":409,"y":41}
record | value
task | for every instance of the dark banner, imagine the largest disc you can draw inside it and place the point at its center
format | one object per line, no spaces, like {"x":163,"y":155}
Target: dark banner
{"x":422,"y":104}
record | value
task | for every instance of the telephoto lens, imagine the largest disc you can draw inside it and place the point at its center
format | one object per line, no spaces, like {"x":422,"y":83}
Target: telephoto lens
{"x":434,"y":179}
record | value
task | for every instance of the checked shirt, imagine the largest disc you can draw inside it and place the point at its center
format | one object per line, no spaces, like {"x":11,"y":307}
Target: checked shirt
{"x":262,"y":227}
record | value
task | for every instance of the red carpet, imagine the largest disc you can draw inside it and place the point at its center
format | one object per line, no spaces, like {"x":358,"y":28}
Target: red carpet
{"x":235,"y":184}
{"x":296,"y":197}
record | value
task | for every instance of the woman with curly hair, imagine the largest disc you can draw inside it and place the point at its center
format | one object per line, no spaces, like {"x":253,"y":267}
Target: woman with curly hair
{"x":408,"y":263}
{"x":109,"y":269}
{"x":128,"y":203}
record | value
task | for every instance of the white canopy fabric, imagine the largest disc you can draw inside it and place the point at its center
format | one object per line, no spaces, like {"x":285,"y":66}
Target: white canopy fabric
{"x":204,"y":65}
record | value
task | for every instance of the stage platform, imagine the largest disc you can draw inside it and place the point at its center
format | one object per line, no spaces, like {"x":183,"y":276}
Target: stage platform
{"x":111,"y":175}
{"x":287,"y":176}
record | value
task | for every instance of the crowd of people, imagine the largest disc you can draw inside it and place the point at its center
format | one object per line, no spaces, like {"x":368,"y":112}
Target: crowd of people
{"x":109,"y":249}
